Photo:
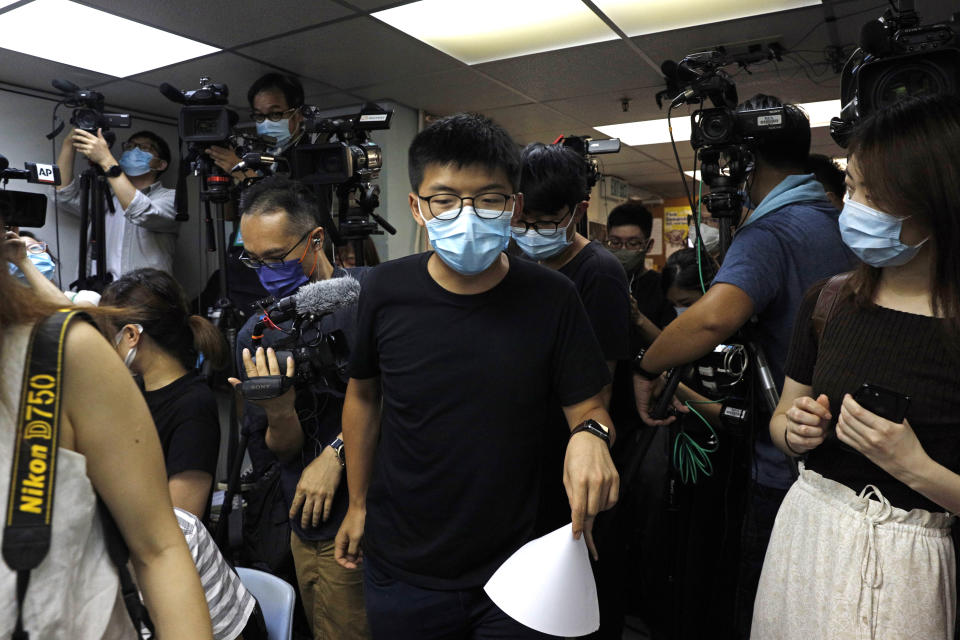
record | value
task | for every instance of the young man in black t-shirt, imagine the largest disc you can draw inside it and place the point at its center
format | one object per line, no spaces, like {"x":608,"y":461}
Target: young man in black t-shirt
{"x":469,"y":351}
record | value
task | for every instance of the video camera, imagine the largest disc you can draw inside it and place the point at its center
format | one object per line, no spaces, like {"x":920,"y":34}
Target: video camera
{"x":588,"y":148}
{"x":353,"y":156}
{"x":21,"y":208}
{"x":88,"y":114}
{"x":897,"y":58}
{"x":203,"y":118}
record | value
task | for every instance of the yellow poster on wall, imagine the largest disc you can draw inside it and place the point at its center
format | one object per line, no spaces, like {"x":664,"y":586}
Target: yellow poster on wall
{"x":675,"y":228}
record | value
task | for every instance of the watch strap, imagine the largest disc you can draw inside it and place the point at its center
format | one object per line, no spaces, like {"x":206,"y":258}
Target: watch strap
{"x":639,"y":370}
{"x":593,"y":427}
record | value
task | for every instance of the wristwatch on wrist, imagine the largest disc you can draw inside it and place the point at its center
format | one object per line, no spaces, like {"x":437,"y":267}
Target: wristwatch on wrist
{"x":594,"y":427}
{"x":114,"y":171}
{"x":337,"y":446}
{"x":639,"y":370}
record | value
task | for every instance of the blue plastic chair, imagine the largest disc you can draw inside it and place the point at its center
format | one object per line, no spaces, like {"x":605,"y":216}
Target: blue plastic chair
{"x":276,"y":598}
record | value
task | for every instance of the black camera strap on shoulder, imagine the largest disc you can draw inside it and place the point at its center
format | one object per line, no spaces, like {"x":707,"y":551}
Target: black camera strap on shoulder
{"x":27,"y":528}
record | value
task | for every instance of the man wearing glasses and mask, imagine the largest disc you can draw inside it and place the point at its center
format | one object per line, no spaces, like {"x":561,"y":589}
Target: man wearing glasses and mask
{"x":283,"y":245}
{"x":142,"y":231}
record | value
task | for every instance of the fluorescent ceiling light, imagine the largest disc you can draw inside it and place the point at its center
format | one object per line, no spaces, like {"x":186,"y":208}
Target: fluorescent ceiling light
{"x":77,"y":35}
{"x":475,"y":32}
{"x":640,"y":17}
{"x":693,"y":174}
{"x":645,"y":132}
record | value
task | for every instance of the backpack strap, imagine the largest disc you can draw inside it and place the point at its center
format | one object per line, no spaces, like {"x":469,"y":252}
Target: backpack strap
{"x":827,"y":301}
{"x":26,"y":532}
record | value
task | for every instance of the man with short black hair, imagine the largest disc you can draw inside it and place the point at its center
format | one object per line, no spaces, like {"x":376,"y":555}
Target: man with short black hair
{"x":831,"y":176}
{"x":629,"y":226}
{"x":143,"y":230}
{"x":469,"y":350}
{"x":283,"y":242}
{"x":787,"y":242}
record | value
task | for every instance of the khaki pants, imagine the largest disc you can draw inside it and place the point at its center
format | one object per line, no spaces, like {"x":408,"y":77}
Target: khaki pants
{"x":332,"y":596}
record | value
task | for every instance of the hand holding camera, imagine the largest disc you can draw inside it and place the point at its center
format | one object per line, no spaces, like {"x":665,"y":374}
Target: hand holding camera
{"x":94,"y":147}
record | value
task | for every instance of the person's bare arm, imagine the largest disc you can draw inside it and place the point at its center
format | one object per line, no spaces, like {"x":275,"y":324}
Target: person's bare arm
{"x":799,"y":417}
{"x":108,"y":422}
{"x":361,"y":430}
{"x":15,"y":251}
{"x":190,"y":491}
{"x":65,"y":161}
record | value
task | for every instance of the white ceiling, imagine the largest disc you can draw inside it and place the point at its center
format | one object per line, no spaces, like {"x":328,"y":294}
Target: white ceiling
{"x":344,"y":56}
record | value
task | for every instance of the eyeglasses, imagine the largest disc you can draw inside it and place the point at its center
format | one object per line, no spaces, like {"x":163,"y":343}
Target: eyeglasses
{"x":447,"y":206}
{"x":143,"y":146}
{"x":270,"y":263}
{"x":273,"y":116}
{"x":546,"y":228}
{"x":37,"y":248}
{"x":634,"y":244}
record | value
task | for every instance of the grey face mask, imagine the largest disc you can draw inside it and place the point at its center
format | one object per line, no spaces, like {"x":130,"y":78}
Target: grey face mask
{"x":631,"y":259}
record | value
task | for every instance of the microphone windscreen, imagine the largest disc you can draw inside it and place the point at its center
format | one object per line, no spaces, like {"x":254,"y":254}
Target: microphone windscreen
{"x":874,"y":39}
{"x":327,"y":295}
{"x":669,"y":69}
{"x":4,"y":163}
{"x":65,"y":86}
{"x":171,"y":92}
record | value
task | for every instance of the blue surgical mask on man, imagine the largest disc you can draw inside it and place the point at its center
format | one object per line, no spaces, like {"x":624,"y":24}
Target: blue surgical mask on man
{"x":279,"y":130}
{"x":469,"y":244}
{"x":42,"y":261}
{"x":283,"y":279}
{"x":539,"y":247}
{"x":874,"y":236}
{"x":136,"y":162}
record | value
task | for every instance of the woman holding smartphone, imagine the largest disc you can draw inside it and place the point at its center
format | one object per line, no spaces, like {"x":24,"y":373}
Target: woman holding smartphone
{"x":861,"y":547}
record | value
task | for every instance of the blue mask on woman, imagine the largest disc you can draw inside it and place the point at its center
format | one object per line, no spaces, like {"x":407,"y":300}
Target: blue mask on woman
{"x":538,"y":247}
{"x":42,"y":261}
{"x":469,"y":244}
{"x":282,"y":279}
{"x":279,"y":130}
{"x":874,"y":236}
{"x":135,"y":162}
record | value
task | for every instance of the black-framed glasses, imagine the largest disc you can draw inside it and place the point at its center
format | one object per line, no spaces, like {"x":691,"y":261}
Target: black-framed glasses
{"x":273,"y":116}
{"x":545,"y":228}
{"x":143,"y":146}
{"x":447,"y":206}
{"x":256,"y":263}
{"x":634,"y":244}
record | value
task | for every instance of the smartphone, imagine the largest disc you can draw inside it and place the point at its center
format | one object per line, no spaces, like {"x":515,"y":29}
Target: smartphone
{"x":22,"y":209}
{"x":885,"y":403}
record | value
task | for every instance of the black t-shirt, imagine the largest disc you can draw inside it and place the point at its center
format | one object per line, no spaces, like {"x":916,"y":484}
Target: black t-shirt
{"x":903,"y":352}
{"x":319,"y":408}
{"x":467,"y":383}
{"x":647,"y":291}
{"x":185,"y":412}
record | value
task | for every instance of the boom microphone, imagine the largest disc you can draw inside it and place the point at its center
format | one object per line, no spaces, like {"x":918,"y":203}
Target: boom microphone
{"x":319,"y":297}
{"x":65,"y":86}
{"x":170,"y":92}
{"x":4,"y":163}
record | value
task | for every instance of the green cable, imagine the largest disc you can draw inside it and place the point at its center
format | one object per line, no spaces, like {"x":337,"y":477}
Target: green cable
{"x":689,"y":457}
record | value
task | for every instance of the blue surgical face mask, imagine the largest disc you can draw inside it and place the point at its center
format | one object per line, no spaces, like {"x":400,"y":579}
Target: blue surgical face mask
{"x":680,"y":310}
{"x":42,"y":261}
{"x":538,"y":247}
{"x":136,"y":162}
{"x":469,"y":244}
{"x":279,"y":130}
{"x":874,"y":236}
{"x":283,"y":279}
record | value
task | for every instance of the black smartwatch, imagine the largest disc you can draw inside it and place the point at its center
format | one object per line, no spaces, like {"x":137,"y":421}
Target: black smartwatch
{"x":594,"y":427}
{"x":639,"y":370}
{"x":337,"y":445}
{"x":113,"y":172}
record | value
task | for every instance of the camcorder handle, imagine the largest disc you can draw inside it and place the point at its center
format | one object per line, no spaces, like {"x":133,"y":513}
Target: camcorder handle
{"x":265,"y":387}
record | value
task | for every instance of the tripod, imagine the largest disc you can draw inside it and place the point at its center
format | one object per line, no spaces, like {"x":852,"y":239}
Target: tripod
{"x":355,"y":223}
{"x":95,"y":199}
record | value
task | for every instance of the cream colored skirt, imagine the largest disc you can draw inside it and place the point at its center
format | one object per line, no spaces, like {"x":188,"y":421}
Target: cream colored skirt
{"x":845,"y":566}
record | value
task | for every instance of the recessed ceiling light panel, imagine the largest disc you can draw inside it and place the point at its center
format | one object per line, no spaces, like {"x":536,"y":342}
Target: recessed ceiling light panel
{"x":640,"y":17}
{"x":77,"y":35}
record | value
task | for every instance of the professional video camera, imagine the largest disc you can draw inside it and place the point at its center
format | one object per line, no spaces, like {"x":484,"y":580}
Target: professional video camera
{"x":318,"y":357}
{"x":353,"y":156}
{"x":21,"y":208}
{"x":88,"y":113}
{"x":897,"y":58}
{"x":588,"y":148}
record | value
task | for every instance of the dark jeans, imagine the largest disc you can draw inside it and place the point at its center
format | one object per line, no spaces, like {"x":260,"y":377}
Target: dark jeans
{"x":400,"y":611}
{"x":761,"y":513}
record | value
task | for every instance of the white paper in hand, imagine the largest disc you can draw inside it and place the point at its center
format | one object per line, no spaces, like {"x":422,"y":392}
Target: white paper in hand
{"x":547,"y":585}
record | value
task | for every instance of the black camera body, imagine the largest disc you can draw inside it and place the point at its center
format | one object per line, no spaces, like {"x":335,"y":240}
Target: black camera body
{"x":588,"y":148}
{"x":204,"y":120}
{"x":724,"y":126}
{"x":88,"y":114}
{"x":351,"y":157}
{"x":897,"y":58}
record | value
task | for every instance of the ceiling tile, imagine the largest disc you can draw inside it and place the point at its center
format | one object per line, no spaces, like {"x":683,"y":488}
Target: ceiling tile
{"x":585,"y":70}
{"x":353,"y":53}
{"x":446,"y":92}
{"x":333,"y":100}
{"x":374,"y":5}
{"x":607,"y":108}
{"x":36,"y":73}
{"x":226,"y":25}
{"x":127,"y":95}
{"x":535,"y":117}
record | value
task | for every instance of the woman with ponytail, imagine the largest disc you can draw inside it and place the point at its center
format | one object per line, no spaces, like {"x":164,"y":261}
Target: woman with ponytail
{"x":160,"y":341}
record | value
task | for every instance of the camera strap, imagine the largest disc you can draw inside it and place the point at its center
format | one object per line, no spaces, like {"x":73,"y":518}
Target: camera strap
{"x":27,"y":529}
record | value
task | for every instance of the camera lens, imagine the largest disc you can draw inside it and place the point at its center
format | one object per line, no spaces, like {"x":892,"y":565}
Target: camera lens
{"x":86,"y":119}
{"x":716,"y":127}
{"x":908,"y":80}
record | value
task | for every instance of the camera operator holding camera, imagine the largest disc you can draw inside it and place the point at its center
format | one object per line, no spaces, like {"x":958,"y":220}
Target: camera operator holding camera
{"x":284,"y":243}
{"x":143,"y":231}
{"x":788,"y":242}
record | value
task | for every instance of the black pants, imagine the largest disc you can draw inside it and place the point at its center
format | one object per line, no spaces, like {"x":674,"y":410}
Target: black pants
{"x":400,"y":611}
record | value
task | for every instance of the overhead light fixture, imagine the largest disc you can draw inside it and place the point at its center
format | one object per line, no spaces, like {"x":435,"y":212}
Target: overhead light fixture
{"x":60,"y":30}
{"x":475,"y":32}
{"x":640,"y":17}
{"x":646,"y":132}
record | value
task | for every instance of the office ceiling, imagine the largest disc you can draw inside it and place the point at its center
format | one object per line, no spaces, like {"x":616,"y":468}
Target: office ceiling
{"x":344,"y":56}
